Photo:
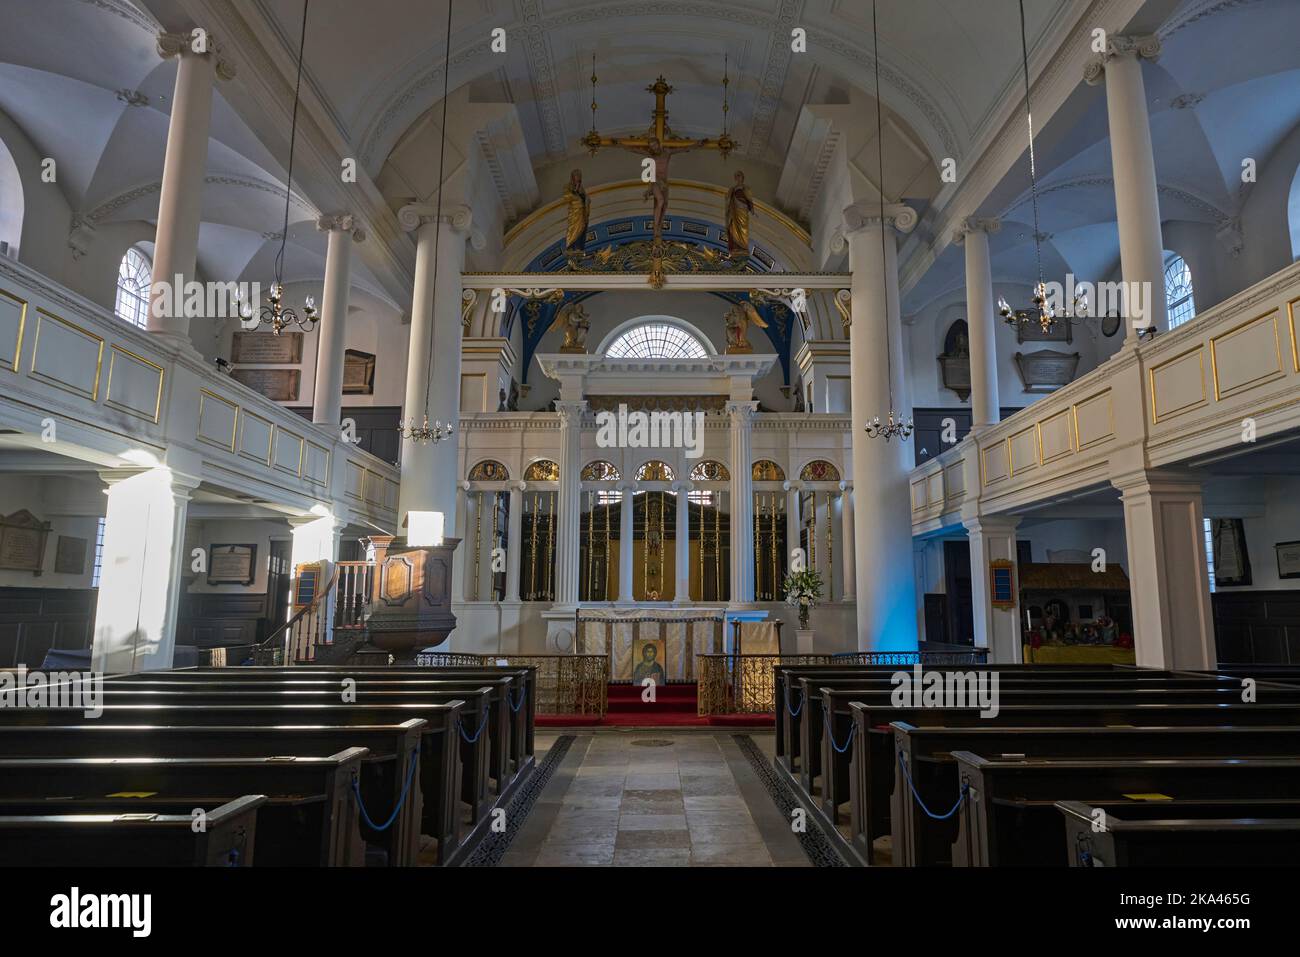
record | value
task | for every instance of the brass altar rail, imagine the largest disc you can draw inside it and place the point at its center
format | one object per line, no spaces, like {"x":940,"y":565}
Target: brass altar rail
{"x":566,"y":684}
{"x":745,"y":684}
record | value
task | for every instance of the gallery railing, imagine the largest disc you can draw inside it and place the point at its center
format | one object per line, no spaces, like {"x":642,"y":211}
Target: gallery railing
{"x":566,"y":684}
{"x":745,"y":684}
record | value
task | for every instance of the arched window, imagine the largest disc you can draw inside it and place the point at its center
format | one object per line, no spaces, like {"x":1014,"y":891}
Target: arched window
{"x":710,"y":471}
{"x":656,"y":340}
{"x":133,"y":278}
{"x":1178,"y":290}
{"x":600,"y":471}
{"x":543,"y":470}
{"x":765,"y":470}
{"x":489,"y":471}
{"x":819,"y":470}
{"x":655,"y":471}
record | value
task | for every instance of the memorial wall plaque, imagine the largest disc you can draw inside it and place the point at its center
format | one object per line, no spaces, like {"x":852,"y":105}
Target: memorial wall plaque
{"x":263,"y":348}
{"x":231,"y":564}
{"x":279,"y":385}
{"x":22,"y":542}
{"x":70,"y":555}
{"x":358,"y":373}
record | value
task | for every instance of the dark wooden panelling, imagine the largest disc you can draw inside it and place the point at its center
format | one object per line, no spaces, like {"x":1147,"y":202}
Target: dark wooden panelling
{"x":208,"y":620}
{"x":1257,"y":627}
{"x":927,"y":441}
{"x":378,"y":428}
{"x":34,"y":620}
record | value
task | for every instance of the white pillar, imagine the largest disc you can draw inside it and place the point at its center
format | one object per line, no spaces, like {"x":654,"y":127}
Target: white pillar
{"x":185,"y":162}
{"x":1173,"y":620}
{"x":980,"y":320}
{"x":993,"y":538}
{"x":792,"y":519}
{"x":846,"y":549}
{"x":886,"y":586}
{"x":429,"y":469}
{"x":140,"y":580}
{"x":467,"y":553}
{"x":741,"y":415}
{"x":626,"y":531}
{"x":514,"y":542}
{"x":327,"y":398}
{"x":1137,"y":202}
{"x":568,"y":507}
{"x":682,"y":543}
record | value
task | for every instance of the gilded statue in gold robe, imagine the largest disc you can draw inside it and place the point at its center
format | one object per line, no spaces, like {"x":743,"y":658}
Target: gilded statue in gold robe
{"x":573,"y":320}
{"x":740,"y":203}
{"x":579,"y":212}
{"x":738,"y":318}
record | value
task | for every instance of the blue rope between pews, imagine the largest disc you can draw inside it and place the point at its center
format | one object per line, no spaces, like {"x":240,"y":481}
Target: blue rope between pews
{"x":401,"y":798}
{"x":965,"y":790}
{"x":523,"y":694}
{"x":830,"y":731}
{"x":794,"y":712}
{"x":460,"y":726}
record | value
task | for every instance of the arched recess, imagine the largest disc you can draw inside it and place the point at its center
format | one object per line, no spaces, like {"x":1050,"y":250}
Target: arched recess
{"x":819,"y":470}
{"x":543,"y":470}
{"x":600,"y":471}
{"x":11,"y":204}
{"x":765,"y":470}
{"x":622,"y":329}
{"x":710,"y":471}
{"x":489,"y":470}
{"x":655,"y":471}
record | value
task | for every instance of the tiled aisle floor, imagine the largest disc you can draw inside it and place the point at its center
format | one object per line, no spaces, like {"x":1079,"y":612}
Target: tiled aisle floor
{"x":655,"y":799}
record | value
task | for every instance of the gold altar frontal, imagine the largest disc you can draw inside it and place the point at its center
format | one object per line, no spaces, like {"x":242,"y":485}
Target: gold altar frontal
{"x":639,"y":640}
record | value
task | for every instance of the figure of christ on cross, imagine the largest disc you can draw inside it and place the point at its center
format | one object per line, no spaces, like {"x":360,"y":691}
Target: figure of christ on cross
{"x":659,"y":144}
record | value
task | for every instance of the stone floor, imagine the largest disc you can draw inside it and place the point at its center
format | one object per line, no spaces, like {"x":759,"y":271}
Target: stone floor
{"x":655,"y":799}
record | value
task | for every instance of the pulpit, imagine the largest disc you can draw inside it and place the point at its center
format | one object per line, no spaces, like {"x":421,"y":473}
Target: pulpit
{"x":410,"y":608}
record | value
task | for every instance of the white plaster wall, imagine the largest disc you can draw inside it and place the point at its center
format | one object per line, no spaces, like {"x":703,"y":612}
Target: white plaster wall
{"x":72,"y":505}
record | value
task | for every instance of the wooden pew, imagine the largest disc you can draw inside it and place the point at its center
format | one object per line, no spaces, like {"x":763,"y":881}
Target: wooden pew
{"x":923,"y":757}
{"x":310,"y":818}
{"x":829,"y":721}
{"x":445,"y":758}
{"x":1217,"y":835}
{"x":495,"y":720}
{"x":1009,"y":815}
{"x":133,"y":840}
{"x":873,"y":759}
{"x":384,"y":772}
{"x":514,"y":704}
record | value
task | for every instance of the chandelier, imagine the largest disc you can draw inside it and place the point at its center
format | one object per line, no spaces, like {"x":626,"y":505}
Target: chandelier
{"x":1042,"y":311}
{"x":274,"y":312}
{"x":423,"y":433}
{"x":895,"y":424}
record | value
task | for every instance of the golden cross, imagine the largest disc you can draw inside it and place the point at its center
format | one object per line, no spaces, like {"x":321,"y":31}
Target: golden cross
{"x":658,"y":130}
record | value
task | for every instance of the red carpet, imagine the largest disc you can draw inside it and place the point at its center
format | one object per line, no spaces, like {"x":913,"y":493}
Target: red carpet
{"x":675,"y":705}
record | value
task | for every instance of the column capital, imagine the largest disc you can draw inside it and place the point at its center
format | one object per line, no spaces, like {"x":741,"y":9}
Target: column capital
{"x":198,"y":42}
{"x":626,"y":486}
{"x":991,"y":524}
{"x":682,"y":485}
{"x":971,"y":224}
{"x":1143,"y":45}
{"x":846,"y":486}
{"x":742,"y":412}
{"x":792,"y":485}
{"x":866,"y":215}
{"x":571,"y":410}
{"x":344,"y":223}
{"x":1145,"y":481}
{"x":517,"y":486}
{"x":460,"y":218}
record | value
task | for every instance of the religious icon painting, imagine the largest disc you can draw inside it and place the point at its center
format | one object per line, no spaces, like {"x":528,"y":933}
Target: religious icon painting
{"x":648,"y":656}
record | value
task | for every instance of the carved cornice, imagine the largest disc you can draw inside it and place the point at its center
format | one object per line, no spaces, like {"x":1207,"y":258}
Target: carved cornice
{"x":108,"y":207}
{"x":183,"y":44}
{"x":1145,"y":45}
{"x":1182,"y":195}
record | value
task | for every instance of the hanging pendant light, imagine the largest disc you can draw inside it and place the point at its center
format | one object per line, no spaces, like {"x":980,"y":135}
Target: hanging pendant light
{"x":425,"y":433}
{"x":1041,"y":311}
{"x":274,"y":312}
{"x":895,"y":425}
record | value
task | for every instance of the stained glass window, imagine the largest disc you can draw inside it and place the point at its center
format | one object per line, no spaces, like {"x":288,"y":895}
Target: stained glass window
{"x":543,"y":470}
{"x":656,"y":340}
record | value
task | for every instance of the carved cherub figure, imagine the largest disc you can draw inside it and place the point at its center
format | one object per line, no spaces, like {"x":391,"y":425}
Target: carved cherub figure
{"x":572,"y":318}
{"x":738,"y":318}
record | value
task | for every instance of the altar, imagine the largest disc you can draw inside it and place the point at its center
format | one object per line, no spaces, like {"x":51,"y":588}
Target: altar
{"x":662,"y":642}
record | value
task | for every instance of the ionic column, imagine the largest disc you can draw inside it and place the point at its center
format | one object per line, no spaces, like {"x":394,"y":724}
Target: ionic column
{"x":176,"y":238}
{"x":568,"y":506}
{"x":327,"y":397}
{"x":741,"y":415}
{"x":1169,"y":579}
{"x":981,"y":320}
{"x":429,"y":469}
{"x":886,"y":587}
{"x":682,"y":550}
{"x":140,"y":581}
{"x":515,"y":535}
{"x":626,"y":531}
{"x":471,"y":592}
{"x":997,"y":629}
{"x":1137,"y":202}
{"x":792,"y":518}
{"x":846,"y":550}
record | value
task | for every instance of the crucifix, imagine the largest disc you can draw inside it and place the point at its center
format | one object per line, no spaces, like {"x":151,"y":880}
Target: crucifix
{"x":659,"y":142}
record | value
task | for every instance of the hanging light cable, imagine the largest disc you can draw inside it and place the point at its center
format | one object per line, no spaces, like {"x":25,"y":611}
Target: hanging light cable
{"x":274,"y":312}
{"x":437,"y":432}
{"x":895,"y":424}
